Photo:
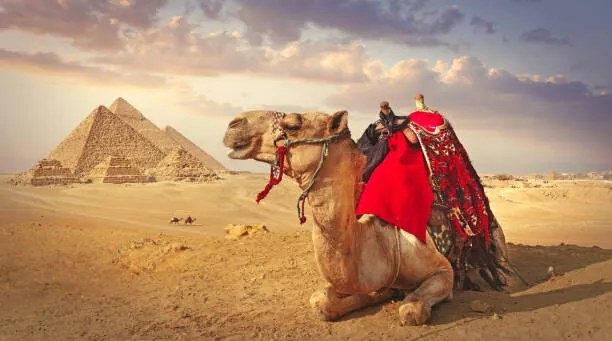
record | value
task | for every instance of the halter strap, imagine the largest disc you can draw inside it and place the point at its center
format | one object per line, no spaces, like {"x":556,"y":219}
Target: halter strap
{"x":276,"y":171}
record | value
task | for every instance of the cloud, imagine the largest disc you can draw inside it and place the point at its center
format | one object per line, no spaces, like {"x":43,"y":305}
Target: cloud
{"x":176,"y":47}
{"x":200,"y":105}
{"x":482,"y":24}
{"x":211,"y":8}
{"x":283,"y":21}
{"x":320,"y":61}
{"x":180,"y":49}
{"x":544,"y":36}
{"x":50,"y":63}
{"x":91,"y":24}
{"x":561,"y":116}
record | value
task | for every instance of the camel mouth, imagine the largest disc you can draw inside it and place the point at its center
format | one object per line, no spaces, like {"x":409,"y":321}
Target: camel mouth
{"x":242,"y":150}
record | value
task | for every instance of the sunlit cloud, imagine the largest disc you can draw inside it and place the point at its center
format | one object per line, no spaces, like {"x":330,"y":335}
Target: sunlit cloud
{"x":91,"y":24}
{"x":45,"y":63}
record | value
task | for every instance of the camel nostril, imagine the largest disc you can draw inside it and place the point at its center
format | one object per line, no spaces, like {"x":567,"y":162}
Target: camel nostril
{"x":236,"y":122}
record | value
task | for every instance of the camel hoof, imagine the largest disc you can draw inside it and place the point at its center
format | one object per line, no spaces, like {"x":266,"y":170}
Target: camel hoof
{"x":319,"y":301}
{"x":414,"y":313}
{"x":321,"y":315}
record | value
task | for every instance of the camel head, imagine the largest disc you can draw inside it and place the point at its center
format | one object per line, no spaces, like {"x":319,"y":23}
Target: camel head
{"x":256,"y":135}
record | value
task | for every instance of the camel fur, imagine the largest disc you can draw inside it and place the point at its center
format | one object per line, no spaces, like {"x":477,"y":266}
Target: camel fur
{"x":364,"y":263}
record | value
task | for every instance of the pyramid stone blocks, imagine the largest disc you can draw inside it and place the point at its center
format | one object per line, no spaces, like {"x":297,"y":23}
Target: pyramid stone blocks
{"x":117,"y":170}
{"x":51,"y":172}
{"x":121,"y":145}
{"x":180,"y":165}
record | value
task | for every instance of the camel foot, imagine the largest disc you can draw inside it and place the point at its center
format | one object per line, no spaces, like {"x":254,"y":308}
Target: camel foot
{"x":414,"y":313}
{"x":329,"y":305}
{"x":320,"y":303}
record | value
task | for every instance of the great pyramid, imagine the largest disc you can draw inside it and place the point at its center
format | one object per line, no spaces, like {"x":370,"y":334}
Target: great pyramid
{"x":121,"y":145}
{"x":100,"y":135}
{"x":166,"y":140}
{"x":135,"y":119}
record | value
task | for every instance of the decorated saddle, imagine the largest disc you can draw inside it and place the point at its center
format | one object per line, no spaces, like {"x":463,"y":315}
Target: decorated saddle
{"x":461,"y":221}
{"x":453,"y":179}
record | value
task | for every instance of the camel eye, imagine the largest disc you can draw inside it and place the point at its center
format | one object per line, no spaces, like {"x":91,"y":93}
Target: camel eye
{"x":292,"y":123}
{"x":291,"y":127}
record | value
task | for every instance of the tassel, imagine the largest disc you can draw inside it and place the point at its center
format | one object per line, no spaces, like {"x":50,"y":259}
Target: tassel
{"x":273,"y":181}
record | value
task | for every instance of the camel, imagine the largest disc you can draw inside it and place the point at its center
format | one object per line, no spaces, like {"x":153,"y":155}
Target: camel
{"x":189,"y":220}
{"x":364,"y":263}
{"x":175,"y":220}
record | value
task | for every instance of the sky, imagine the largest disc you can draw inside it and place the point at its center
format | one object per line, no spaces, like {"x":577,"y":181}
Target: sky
{"x":526,"y":84}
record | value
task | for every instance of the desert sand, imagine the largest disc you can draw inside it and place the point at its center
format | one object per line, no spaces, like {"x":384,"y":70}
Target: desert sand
{"x":101,"y":261}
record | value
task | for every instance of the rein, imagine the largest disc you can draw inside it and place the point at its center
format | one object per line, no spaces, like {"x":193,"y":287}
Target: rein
{"x":276,"y":171}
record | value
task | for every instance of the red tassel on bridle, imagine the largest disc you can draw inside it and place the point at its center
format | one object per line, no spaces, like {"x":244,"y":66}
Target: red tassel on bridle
{"x":274,"y":180}
{"x":280,"y":157}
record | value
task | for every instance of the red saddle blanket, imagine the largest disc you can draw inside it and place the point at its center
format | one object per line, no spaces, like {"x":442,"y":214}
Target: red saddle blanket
{"x":398,"y":191}
{"x":401,"y":190}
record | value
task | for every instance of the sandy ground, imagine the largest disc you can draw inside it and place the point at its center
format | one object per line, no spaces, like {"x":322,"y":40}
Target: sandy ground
{"x":101,"y":262}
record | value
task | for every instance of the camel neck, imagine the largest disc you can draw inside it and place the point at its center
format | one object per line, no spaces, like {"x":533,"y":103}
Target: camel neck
{"x":332,"y":198}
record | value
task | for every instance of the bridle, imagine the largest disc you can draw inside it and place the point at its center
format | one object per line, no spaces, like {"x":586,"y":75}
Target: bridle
{"x":276,"y":170}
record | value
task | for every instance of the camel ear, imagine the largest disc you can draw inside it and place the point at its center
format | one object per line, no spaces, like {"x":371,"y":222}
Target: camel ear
{"x":338,"y":122}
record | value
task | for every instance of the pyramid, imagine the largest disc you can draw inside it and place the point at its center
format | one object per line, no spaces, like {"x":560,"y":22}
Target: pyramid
{"x":180,"y":165}
{"x":102,"y":134}
{"x":194,"y":150}
{"x":119,"y":146}
{"x":166,"y":140}
{"x":69,"y":150}
{"x":135,"y":119}
{"x":51,"y":172}
{"x":116,"y":170}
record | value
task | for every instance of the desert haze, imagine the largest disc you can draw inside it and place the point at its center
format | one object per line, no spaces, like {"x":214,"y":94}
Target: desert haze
{"x":102,"y":261}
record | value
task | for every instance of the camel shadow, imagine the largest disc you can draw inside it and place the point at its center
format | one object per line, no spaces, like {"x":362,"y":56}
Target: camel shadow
{"x":532,"y":262}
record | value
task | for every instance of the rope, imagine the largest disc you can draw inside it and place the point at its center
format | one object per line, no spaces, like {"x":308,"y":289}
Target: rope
{"x":282,"y":150}
{"x":398,"y":258}
{"x":273,"y":181}
{"x":302,"y":198}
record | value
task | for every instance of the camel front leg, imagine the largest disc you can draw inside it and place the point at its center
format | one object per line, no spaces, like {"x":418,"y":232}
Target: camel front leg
{"x":329,"y":305}
{"x":416,"y":306}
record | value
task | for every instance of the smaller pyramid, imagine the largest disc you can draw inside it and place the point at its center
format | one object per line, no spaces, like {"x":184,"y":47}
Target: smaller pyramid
{"x":51,"y":172}
{"x":193,"y":149}
{"x":116,"y":170}
{"x":180,"y":165}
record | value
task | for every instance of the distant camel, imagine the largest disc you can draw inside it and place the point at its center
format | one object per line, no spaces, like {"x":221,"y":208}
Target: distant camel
{"x":189,"y":220}
{"x":175,"y":220}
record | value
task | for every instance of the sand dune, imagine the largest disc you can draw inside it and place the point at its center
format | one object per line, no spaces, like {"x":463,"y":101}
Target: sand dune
{"x":101,"y":261}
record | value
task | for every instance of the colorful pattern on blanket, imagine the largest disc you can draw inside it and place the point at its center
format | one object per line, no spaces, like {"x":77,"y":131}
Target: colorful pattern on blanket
{"x":455,"y":181}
